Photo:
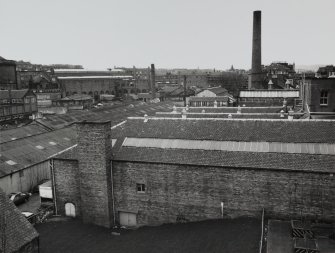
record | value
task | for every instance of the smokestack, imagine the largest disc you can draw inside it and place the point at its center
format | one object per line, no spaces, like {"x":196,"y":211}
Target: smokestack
{"x":256,"y":66}
{"x":256,"y":77}
{"x":153,"y":81}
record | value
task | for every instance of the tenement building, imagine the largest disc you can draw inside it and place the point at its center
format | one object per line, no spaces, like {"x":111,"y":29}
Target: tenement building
{"x":148,"y":171}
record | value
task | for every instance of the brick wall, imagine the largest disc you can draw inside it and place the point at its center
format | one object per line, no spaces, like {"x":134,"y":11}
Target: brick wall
{"x":196,"y":193}
{"x":66,"y":177}
{"x":94,"y":154}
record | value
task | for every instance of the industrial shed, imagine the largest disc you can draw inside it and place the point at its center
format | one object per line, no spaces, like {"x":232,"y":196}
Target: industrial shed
{"x":25,"y":161}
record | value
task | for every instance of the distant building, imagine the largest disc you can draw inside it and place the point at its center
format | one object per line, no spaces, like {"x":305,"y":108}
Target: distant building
{"x":17,"y":104}
{"x":17,"y":235}
{"x":75,"y":102}
{"x":8,"y":76}
{"x":326,"y":72}
{"x":279,"y":73}
{"x":82,"y":82}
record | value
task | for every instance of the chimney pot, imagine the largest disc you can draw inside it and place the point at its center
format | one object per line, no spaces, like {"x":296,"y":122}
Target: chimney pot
{"x":146,"y":118}
{"x":239,"y":109}
{"x":230,"y":116}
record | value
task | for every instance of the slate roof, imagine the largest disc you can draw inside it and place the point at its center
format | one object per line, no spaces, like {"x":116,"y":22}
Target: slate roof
{"x":115,"y":114}
{"x":4,"y":94}
{"x":28,"y":151}
{"x":276,"y":109}
{"x":225,"y":115}
{"x":21,"y":132}
{"x":218,"y":90}
{"x":253,"y":160}
{"x":296,"y":131}
{"x":18,"y":231}
{"x":209,"y":99}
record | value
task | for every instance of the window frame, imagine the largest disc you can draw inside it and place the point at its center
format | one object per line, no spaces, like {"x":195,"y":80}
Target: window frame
{"x":140,"y":188}
{"x":323,"y":98}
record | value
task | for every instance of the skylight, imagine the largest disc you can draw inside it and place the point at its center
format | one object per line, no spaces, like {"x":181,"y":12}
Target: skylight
{"x":65,"y":138}
{"x":39,"y":147}
{"x":52,"y":143}
{"x":10,"y":162}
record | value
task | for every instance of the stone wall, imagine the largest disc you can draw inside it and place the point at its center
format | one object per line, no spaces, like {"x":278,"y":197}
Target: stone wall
{"x":94,"y":160}
{"x":66,"y":180}
{"x":195,"y":193}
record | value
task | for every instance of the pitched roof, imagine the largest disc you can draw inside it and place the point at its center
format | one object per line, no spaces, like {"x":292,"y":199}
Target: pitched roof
{"x":209,"y":99}
{"x":226,"y":115}
{"x":233,"y":109}
{"x":17,"y":230}
{"x":4,"y":94}
{"x":218,"y":90}
{"x":18,"y":154}
{"x":253,"y":160}
{"x":21,"y":132}
{"x":296,"y":131}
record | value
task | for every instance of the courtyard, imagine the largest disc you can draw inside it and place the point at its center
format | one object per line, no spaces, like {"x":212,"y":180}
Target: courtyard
{"x":231,"y":236}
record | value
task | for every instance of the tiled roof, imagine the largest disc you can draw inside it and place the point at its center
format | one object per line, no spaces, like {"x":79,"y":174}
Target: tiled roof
{"x":21,"y":132}
{"x":296,"y":131}
{"x":32,"y":150}
{"x":17,"y":230}
{"x":273,"y":161}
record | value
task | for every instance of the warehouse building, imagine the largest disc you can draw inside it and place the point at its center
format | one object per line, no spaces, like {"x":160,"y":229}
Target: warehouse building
{"x":163,"y":170}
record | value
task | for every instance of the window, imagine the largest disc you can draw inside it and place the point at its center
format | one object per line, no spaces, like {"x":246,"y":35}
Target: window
{"x":140,"y":188}
{"x":324,"y":97}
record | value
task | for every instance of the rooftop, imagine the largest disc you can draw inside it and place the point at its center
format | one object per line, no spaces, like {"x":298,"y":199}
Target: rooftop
{"x":17,"y":230}
{"x":269,"y":130}
{"x":21,"y":132}
{"x":22,"y":153}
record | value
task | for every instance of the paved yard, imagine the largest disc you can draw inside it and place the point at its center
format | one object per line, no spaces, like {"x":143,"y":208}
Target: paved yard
{"x":230,"y":236}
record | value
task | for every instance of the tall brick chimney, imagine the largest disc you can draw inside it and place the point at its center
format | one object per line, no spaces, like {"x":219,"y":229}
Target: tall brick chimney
{"x":94,"y":158}
{"x":153,"y":81}
{"x":256,"y":77}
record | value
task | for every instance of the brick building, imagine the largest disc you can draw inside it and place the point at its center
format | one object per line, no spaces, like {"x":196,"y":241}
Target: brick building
{"x":318,"y":95}
{"x":150,"y":171}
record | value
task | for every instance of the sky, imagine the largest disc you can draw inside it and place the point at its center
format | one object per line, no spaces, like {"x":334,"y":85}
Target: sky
{"x":100,"y":34}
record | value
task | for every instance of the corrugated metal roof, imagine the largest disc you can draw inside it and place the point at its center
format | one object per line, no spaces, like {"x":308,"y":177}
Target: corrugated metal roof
{"x":27,"y":151}
{"x":269,"y":93}
{"x":21,"y":132}
{"x":275,"y":147}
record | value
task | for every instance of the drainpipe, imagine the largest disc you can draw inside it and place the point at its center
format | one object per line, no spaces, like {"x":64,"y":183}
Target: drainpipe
{"x":112,"y":186}
{"x":53,"y":186}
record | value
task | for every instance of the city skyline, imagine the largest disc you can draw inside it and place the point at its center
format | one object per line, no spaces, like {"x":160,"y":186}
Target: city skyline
{"x":171,"y":34}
